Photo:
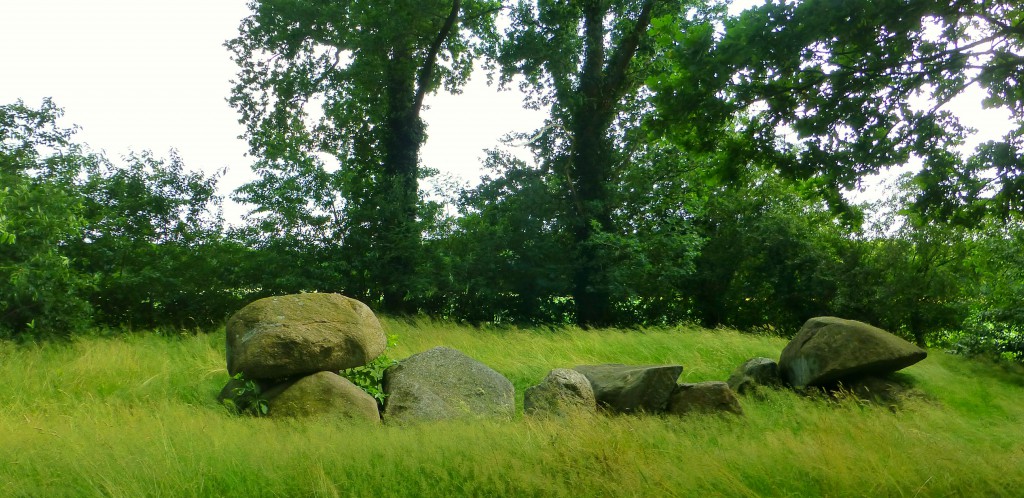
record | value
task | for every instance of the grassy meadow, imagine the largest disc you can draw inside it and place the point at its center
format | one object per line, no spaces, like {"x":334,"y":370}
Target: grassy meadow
{"x":136,"y":415}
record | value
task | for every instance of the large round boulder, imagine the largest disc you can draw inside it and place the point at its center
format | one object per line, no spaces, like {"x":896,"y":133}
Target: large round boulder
{"x":562,"y":392}
{"x":323,"y":395}
{"x":442,"y":383}
{"x":301,"y":334}
{"x":828,"y":350}
{"x":632,"y":388}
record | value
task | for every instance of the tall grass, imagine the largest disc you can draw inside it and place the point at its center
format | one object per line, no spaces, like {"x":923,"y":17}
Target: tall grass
{"x":136,"y":416}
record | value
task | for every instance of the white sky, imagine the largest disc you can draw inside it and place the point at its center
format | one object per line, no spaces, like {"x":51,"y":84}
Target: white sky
{"x":153,"y":74}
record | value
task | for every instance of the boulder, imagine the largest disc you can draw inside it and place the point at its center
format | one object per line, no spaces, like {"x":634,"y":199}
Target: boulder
{"x":323,"y":394}
{"x":632,"y":388}
{"x":704,"y":397}
{"x":442,"y":383}
{"x":828,"y":350}
{"x":300,"y":334}
{"x":753,"y":373}
{"x":561,"y":392}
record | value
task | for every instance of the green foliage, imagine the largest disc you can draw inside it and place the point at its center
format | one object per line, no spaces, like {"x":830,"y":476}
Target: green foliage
{"x":771,"y":260}
{"x":691,"y":169}
{"x":367,"y":70}
{"x":249,"y":394}
{"x":370,"y":377}
{"x":842,"y":80}
{"x":154,"y":241}
{"x":87,"y":241}
{"x":509,"y":250}
{"x":588,"y":62}
{"x":41,"y":293}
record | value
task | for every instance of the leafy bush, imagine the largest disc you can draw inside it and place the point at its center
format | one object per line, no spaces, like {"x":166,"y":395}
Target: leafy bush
{"x":370,"y":377}
{"x":41,"y":293}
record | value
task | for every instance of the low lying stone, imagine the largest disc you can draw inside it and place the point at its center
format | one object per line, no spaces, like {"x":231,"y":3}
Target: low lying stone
{"x":442,"y":383}
{"x":323,"y":394}
{"x":828,"y":350}
{"x":632,"y":388}
{"x":561,"y":392}
{"x":753,"y":373}
{"x":704,"y":397}
{"x":300,"y":334}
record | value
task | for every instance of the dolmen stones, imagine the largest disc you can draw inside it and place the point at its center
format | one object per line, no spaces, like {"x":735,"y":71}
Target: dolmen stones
{"x":632,"y":388}
{"x":828,"y":350}
{"x":703,"y":397}
{"x":627,"y":389}
{"x":300,"y":334}
{"x":284,"y":354}
{"x":562,"y":392}
{"x":288,"y":350}
{"x":754,"y":373}
{"x":835,"y":355}
{"x":441,"y":384}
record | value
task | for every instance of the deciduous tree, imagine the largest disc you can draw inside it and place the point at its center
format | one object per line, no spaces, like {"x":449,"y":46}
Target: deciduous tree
{"x":348,"y":80}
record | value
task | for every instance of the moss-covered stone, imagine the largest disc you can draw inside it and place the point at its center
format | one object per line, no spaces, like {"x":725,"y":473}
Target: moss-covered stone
{"x":300,"y":334}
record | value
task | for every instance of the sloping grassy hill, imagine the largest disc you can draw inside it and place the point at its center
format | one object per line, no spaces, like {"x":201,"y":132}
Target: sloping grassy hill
{"x":136,"y":416}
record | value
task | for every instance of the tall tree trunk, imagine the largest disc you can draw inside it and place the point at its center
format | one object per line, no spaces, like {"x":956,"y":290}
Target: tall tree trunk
{"x":407,"y":84}
{"x":591,"y":167}
{"x":603,"y":81}
{"x":399,"y":237}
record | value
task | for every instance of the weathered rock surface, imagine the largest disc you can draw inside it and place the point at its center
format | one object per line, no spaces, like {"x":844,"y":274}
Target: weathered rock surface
{"x":300,"y":334}
{"x":561,"y":392}
{"x":632,"y":388}
{"x":442,"y":383}
{"x":753,"y":373}
{"x":323,"y":394}
{"x":704,"y":397}
{"x":827,"y":350}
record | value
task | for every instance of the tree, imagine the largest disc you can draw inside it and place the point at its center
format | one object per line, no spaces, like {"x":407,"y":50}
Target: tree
{"x":509,"y":248}
{"x":153,"y":242}
{"x":907,"y":274}
{"x":833,"y":91}
{"x":772,"y":255}
{"x":348,"y":80}
{"x":588,"y":61}
{"x":41,"y":293}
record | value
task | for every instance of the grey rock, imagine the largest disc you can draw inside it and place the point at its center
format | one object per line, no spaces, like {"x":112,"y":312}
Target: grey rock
{"x":300,"y":334}
{"x":442,"y":383}
{"x":704,"y":397}
{"x":828,"y":350}
{"x":753,"y":373}
{"x":562,"y":392}
{"x":324,"y":395}
{"x":632,"y":388}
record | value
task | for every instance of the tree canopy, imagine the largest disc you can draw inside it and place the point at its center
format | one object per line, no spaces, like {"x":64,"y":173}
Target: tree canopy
{"x":692,"y":168}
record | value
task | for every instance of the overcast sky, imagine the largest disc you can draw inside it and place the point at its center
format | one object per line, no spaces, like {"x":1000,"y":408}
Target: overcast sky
{"x":153,"y":74}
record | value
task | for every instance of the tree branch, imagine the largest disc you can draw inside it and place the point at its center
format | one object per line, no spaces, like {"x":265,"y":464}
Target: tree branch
{"x":430,"y":61}
{"x":616,"y":71}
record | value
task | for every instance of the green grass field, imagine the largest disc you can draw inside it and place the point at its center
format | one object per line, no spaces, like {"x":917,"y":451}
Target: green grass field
{"x":136,"y":416}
